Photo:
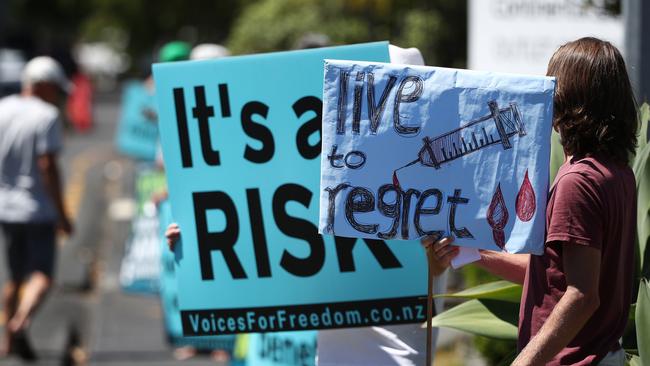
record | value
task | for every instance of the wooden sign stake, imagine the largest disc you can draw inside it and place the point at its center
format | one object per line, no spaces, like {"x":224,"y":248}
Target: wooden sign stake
{"x":430,"y":276}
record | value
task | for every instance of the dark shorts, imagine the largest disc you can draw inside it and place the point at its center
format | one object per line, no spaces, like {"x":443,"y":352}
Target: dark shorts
{"x":30,"y":248}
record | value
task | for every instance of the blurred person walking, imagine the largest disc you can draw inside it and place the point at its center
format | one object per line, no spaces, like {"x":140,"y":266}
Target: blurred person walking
{"x":31,"y":204}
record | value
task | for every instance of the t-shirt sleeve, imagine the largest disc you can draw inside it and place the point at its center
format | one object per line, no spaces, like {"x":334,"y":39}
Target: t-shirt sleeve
{"x":577,"y":214}
{"x":49,"y":138}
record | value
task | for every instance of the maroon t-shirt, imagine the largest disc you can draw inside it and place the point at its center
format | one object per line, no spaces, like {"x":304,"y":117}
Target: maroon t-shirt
{"x":593,"y":203}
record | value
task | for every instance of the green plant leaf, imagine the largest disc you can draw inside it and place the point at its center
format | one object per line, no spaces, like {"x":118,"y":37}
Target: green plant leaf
{"x":557,"y":155}
{"x":642,"y":174}
{"x":643,"y":320}
{"x":628,"y":339}
{"x":497,"y":290}
{"x":507,"y":361}
{"x":634,"y":361}
{"x":644,"y":117}
{"x":488,"y":318}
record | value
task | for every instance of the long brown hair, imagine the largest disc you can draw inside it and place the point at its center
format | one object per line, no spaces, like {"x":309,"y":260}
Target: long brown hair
{"x":594,"y":106}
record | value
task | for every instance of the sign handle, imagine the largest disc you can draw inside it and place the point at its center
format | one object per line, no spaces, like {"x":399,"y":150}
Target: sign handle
{"x":430,"y":276}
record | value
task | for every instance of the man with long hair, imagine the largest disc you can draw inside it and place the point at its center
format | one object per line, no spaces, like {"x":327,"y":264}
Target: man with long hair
{"x":577,"y":295}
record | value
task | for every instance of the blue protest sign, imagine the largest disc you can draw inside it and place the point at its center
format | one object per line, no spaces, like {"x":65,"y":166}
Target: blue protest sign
{"x":169,"y":296}
{"x":137,"y":133}
{"x":241,"y":141}
{"x":140,"y":267}
{"x":282,"y":349}
{"x":414,"y":151}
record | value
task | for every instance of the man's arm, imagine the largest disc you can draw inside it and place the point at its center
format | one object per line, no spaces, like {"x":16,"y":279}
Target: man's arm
{"x":511,"y":267}
{"x":49,"y":170}
{"x":577,"y":305}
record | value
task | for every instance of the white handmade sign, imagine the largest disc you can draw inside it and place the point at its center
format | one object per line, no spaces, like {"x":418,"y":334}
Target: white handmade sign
{"x":412,"y":151}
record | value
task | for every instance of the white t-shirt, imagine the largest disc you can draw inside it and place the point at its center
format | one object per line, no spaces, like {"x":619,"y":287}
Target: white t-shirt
{"x":396,"y":345}
{"x":29,"y":128}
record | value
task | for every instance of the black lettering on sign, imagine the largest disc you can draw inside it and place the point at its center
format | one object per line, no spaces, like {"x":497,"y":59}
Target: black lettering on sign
{"x":181,"y":123}
{"x":406,"y":206}
{"x":342,"y":102}
{"x":354,"y":159}
{"x":284,"y":350}
{"x":202,"y":112}
{"x":375,"y":111}
{"x":334,"y":158}
{"x":420,"y":210}
{"x":360,"y":200}
{"x":356,"y":104}
{"x":224,"y":99}
{"x":409,"y":91}
{"x":391,"y":210}
{"x":257,"y":131}
{"x":298,"y":228}
{"x":302,"y":106}
{"x":378,"y":248}
{"x":257,"y":229}
{"x":406,"y":98}
{"x":455,"y":200}
{"x":330,"y":205}
{"x":222,"y":241}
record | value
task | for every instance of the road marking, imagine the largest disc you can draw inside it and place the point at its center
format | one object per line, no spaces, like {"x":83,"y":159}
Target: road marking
{"x":76,"y":181}
{"x":122,"y":209}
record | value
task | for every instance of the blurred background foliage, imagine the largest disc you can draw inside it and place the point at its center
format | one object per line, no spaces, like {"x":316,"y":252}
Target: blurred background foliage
{"x":137,"y":28}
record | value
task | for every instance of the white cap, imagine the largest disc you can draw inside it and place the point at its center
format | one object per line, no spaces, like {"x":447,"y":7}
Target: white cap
{"x":206,"y":51}
{"x":44,"y":69}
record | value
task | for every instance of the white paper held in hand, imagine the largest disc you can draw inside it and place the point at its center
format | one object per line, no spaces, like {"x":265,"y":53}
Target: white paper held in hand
{"x":465,"y":256}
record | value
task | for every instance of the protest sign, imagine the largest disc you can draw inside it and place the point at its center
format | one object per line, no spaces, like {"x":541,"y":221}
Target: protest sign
{"x":137,"y":132}
{"x":282,"y":349}
{"x":169,"y":296}
{"x":241,"y":141}
{"x":140,"y":268}
{"x":414,"y":151}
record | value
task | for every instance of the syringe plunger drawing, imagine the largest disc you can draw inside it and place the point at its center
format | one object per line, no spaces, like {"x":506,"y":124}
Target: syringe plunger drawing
{"x":471,"y":137}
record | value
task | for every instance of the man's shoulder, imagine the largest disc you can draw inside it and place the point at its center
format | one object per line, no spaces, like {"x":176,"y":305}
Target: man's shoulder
{"x":47,"y":110}
{"x":28,"y":104}
{"x":597,"y":175}
{"x":8,"y":101}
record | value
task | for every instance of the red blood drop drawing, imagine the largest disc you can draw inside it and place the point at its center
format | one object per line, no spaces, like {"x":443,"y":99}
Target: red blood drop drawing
{"x":395,"y":181}
{"x":497,"y":214}
{"x":525,"y":203}
{"x":499,"y":238}
{"x":497,"y":217}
